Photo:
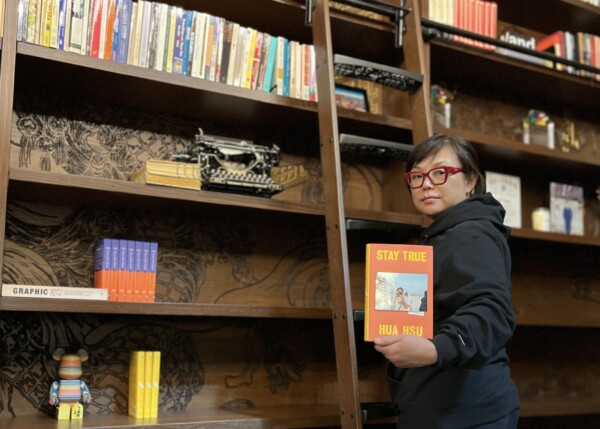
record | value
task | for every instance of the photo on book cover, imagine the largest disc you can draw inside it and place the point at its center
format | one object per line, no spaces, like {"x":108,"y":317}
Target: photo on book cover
{"x":401,"y":292}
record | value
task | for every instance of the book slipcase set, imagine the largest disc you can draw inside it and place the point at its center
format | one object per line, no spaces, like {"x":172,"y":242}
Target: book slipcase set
{"x":126,"y":268}
{"x":144,"y":384}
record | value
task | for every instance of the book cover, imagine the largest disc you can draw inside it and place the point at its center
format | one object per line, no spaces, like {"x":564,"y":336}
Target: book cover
{"x":113,"y":290}
{"x":130,"y":275}
{"x":507,"y":190}
{"x":145,"y":272}
{"x":137,"y":386}
{"x":398,"y":290}
{"x":56,"y":292}
{"x":122,"y":271}
{"x":566,"y":208}
{"x":155,"y":384}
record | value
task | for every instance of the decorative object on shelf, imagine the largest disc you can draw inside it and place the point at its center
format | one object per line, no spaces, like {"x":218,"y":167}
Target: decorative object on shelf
{"x":506,"y":189}
{"x":231,"y":165}
{"x":441,"y":108}
{"x":70,"y":393}
{"x":568,"y":138}
{"x":540,"y":219}
{"x":398,"y":290}
{"x":538,"y":129}
{"x":351,"y":98}
{"x":374,"y":91}
{"x":566,"y":208}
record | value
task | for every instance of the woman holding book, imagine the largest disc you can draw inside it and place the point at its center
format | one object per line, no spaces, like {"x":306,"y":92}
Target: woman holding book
{"x":460,"y":378}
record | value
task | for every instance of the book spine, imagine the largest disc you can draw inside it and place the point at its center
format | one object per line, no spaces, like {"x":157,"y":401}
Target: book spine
{"x":145,"y":272}
{"x":138,"y":272}
{"x":54,"y":292}
{"x":148,"y":366}
{"x":162,"y":36}
{"x":187,"y":35}
{"x":170,"y":45}
{"x":135,"y":406}
{"x":152,"y":272}
{"x":124,"y":30}
{"x":31,"y":20}
{"x":122,"y":271}
{"x":102,"y":264}
{"x":179,"y":41}
{"x":130,"y":274}
{"x":156,"y":355}
{"x":114,"y":48}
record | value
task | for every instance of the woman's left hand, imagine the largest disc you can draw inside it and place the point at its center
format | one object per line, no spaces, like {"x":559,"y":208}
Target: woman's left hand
{"x":407,"y":351}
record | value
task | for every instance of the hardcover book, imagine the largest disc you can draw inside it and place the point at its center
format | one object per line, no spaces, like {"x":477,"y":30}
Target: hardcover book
{"x":168,"y":173}
{"x":57,"y":292}
{"x":398,"y":290}
{"x":566,"y":209}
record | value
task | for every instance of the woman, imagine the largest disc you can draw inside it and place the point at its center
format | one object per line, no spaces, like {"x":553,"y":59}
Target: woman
{"x":460,"y":378}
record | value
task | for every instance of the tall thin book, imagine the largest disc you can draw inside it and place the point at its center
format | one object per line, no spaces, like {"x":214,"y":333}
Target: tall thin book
{"x":398,"y":290}
{"x":56,"y":292}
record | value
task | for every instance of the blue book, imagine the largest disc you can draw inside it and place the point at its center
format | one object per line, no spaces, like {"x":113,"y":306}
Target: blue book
{"x":62,"y":15}
{"x":179,"y":47}
{"x":286,"y":67}
{"x":116,"y":27}
{"x":187,"y":38}
{"x":138,"y":270}
{"x":266,"y":86}
{"x":124,"y":31}
{"x":129,"y":276}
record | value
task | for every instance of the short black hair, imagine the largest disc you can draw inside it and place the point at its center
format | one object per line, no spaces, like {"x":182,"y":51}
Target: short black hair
{"x":465,"y":152}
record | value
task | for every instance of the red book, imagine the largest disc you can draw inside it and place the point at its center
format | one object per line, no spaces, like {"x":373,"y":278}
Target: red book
{"x":96,"y":24}
{"x":398,"y":290}
{"x":554,"y":44}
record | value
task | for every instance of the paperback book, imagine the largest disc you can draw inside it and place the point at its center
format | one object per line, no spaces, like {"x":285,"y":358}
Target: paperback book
{"x":398,"y":290}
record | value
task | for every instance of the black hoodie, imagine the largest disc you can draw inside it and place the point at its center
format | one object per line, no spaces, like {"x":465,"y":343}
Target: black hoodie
{"x":473,"y":323}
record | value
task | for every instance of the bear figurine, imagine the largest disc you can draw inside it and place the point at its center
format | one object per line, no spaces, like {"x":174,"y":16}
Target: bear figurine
{"x":70,"y":393}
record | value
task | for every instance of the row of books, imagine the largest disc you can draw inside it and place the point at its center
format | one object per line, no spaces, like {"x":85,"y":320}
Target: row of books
{"x":580,"y":47}
{"x":126,"y":268}
{"x":172,"y":39}
{"x":144,"y":383}
{"x":475,"y":16}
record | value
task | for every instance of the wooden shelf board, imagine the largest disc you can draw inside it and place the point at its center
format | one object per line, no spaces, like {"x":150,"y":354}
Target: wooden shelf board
{"x":302,"y":416}
{"x":559,"y":407}
{"x":390,"y":217}
{"x":520,"y":147}
{"x":531,"y":234}
{"x":163,"y":308}
{"x":215,"y":95}
{"x":67,"y":184}
{"x":528,"y":83}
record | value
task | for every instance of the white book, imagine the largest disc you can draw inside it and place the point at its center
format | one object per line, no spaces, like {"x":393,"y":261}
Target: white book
{"x":198,"y":54}
{"x":57,"y":292}
{"x":233,"y":52}
{"x":507,"y":190}
{"x":162,"y":35}
{"x":103,"y":27}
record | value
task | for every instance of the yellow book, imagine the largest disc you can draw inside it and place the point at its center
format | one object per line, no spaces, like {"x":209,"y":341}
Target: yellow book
{"x":136,"y":384}
{"x":148,"y":355}
{"x":155,"y":384}
{"x":247,"y":76}
{"x":171,"y":41}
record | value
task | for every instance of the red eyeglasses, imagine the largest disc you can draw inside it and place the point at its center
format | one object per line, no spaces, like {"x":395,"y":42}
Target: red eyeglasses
{"x":437,"y":176}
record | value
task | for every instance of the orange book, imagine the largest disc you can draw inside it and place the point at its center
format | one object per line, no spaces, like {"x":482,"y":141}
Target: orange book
{"x":109,"y":29}
{"x":398,"y":290}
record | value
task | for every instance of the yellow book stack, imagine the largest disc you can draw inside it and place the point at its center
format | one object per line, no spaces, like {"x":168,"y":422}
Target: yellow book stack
{"x":168,"y":173}
{"x":144,"y":383}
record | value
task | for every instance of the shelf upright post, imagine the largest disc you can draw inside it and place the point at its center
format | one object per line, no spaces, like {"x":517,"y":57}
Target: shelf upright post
{"x":414,"y":60}
{"x":339,"y":274}
{"x":7,"y":78}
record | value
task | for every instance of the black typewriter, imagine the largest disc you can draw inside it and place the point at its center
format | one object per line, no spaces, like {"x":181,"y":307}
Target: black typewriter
{"x":361,"y":147}
{"x":230,"y":165}
{"x":392,"y":77}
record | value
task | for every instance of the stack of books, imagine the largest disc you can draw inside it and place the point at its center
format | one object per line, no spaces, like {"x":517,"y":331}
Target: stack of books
{"x":144,"y":384}
{"x":126,"y":268}
{"x":168,"y":173}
